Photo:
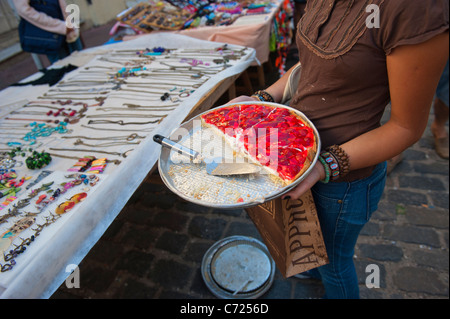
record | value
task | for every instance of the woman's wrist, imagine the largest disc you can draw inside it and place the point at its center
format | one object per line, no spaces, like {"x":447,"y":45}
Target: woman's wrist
{"x":335,"y":162}
{"x":324,"y":170}
{"x":263,"y":96}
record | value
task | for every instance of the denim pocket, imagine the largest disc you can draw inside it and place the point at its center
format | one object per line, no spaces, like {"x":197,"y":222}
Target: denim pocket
{"x":352,"y":202}
{"x":332,"y":203}
{"x":326,"y":202}
{"x":328,"y":211}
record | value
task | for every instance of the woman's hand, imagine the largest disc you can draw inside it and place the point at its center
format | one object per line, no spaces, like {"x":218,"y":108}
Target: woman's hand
{"x":72,"y":35}
{"x":243,"y":98}
{"x":316,"y":174}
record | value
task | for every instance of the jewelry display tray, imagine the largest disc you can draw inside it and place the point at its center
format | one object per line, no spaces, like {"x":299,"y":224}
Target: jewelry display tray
{"x":191,"y":182}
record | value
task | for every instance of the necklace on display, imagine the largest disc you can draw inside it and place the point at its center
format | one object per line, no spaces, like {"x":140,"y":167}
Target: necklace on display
{"x":124,"y":154}
{"x":124,"y":123}
{"x":130,"y":137}
{"x":107,"y":144}
{"x":116,"y":130}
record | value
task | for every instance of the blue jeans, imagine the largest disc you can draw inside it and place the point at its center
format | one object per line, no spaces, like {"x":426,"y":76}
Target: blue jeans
{"x":343,"y":210}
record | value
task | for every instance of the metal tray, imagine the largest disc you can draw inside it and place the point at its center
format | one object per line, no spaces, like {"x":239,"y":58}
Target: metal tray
{"x":238,"y":267}
{"x":191,"y":182}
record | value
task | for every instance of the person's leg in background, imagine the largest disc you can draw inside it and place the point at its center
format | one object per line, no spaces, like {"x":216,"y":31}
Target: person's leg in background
{"x":75,"y":46}
{"x":66,"y":50}
{"x":440,"y":108}
{"x":61,"y":54}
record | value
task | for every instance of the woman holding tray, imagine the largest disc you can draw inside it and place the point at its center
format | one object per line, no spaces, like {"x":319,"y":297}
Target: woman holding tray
{"x":357,"y":57}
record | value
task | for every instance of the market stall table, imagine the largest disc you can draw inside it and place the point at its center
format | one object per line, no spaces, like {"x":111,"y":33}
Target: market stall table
{"x":248,"y":30}
{"x":252,"y":31}
{"x":158,"y":73}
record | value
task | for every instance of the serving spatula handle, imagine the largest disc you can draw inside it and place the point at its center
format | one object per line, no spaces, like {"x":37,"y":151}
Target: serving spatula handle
{"x":164,"y":141}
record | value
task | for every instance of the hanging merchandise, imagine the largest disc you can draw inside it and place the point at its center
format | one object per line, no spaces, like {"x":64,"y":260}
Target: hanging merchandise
{"x":282,"y":33}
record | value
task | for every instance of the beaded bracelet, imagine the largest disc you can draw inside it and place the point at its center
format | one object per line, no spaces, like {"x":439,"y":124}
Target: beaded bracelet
{"x":342,"y":159}
{"x":263,"y":96}
{"x":335,"y":162}
{"x":327,"y":170}
{"x":332,"y":164}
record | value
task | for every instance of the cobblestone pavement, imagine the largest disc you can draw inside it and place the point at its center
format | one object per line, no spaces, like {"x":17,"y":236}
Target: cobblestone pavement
{"x":155,"y":246}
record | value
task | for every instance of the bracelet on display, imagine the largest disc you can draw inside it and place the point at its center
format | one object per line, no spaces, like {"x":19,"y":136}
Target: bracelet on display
{"x":263,"y":96}
{"x":335,"y":162}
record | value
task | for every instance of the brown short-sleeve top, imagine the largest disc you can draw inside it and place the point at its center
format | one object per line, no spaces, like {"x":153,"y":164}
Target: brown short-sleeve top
{"x":342,"y":48}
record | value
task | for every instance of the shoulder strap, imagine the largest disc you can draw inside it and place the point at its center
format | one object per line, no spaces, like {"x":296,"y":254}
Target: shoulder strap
{"x":292,"y":84}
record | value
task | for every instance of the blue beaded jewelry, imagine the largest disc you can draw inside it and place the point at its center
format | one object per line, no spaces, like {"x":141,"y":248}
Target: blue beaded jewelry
{"x":332,"y":164}
{"x":42,"y":129}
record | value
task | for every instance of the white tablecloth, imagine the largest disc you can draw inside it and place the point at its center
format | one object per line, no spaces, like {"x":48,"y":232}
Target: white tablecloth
{"x":42,"y":269}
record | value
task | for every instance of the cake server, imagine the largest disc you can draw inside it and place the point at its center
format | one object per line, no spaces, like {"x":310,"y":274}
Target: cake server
{"x":214,"y":166}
